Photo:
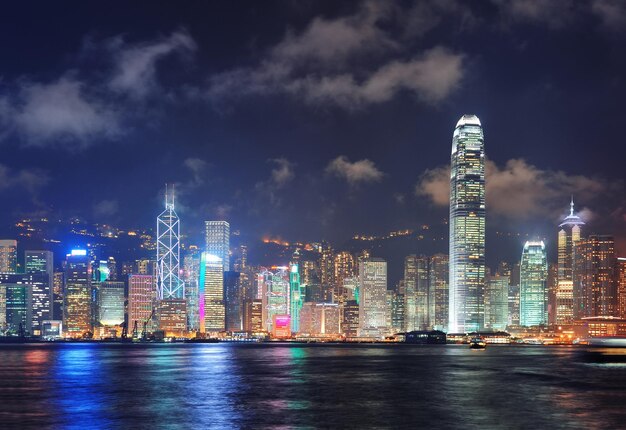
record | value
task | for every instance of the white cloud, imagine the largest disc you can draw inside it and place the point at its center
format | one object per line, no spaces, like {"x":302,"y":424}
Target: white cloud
{"x":354,"y":172}
{"x":612,"y":13}
{"x":554,"y":14}
{"x":198,"y":168}
{"x":135,"y":65}
{"x":30,"y":179}
{"x":60,"y":111}
{"x":105,"y":208}
{"x":283,"y":172}
{"x":350,"y":62}
{"x":518,"y":190}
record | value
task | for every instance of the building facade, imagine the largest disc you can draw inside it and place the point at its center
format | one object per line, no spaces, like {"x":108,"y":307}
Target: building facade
{"x":534,"y":285}
{"x":217,"y":241}
{"x":467,"y":227}
{"x":570,"y":233}
{"x":373,"y":307}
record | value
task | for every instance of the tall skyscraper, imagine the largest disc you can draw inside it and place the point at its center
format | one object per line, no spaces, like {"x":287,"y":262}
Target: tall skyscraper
{"x":621,"y":286}
{"x":594,"y":275}
{"x":438,"y":291}
{"x":78,"y":294}
{"x":327,"y":273}
{"x":496,"y":302}
{"x":169,"y":284}
{"x":344,"y":268}
{"x":212,"y":310}
{"x":275,"y":295}
{"x":217,"y":241}
{"x":233,"y":301}
{"x":191,"y":275}
{"x":141,"y":302}
{"x":40,"y":263}
{"x":467,"y":226}
{"x":373,"y":298}
{"x":8,"y":256}
{"x":416,"y":293}
{"x":534,"y":284}
{"x":570,"y":231}
{"x":111,"y":303}
{"x":296,"y":297}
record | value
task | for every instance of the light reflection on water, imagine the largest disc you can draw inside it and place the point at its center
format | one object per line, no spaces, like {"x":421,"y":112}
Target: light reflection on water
{"x":285,"y":386}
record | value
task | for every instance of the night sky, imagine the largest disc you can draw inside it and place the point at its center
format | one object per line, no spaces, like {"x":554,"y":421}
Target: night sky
{"x":312,"y":120}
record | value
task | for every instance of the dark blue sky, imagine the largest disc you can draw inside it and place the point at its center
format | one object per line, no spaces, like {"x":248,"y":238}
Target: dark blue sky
{"x":311,"y":120}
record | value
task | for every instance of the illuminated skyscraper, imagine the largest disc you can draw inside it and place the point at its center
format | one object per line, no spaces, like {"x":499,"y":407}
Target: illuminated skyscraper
{"x":233,"y":300}
{"x":141,"y":302}
{"x":111,"y":303}
{"x":8,"y":256}
{"x":438,"y":291}
{"x":40,"y":262}
{"x":467,"y":226}
{"x":373,"y":298}
{"x":533,"y":285}
{"x":595,"y":275}
{"x":344,"y":268}
{"x":296,"y":298}
{"x":191,"y":274}
{"x":416,"y":293}
{"x":496,"y":302}
{"x":169,"y":284}
{"x":621,"y":286}
{"x":275,"y":295}
{"x":217,"y":240}
{"x":567,"y":293}
{"x":212,"y":311}
{"x":78,"y":295}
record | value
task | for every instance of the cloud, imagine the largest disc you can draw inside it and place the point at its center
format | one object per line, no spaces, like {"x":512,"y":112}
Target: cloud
{"x":59,"y":111}
{"x":518,"y":190}
{"x":81,"y":107}
{"x":135,"y":65}
{"x":198,"y":168}
{"x":105,"y":208}
{"x":612,"y":13}
{"x":283,"y":173}
{"x":554,"y":14}
{"x":30,"y":179}
{"x":350,"y":62}
{"x":354,"y":173}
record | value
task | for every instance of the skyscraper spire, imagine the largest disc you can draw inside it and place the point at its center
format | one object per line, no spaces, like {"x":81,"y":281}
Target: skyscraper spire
{"x":571,"y":207}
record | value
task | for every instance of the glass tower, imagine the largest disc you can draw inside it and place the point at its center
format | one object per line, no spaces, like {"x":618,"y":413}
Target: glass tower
{"x":217,"y":239}
{"x":533,"y":285}
{"x":566,"y":293}
{"x":169,"y":285}
{"x":467,"y":226}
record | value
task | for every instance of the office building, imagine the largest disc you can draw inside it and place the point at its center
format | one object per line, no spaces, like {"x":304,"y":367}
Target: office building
{"x":467,"y":227}
{"x":191,"y":276}
{"x":320,"y":319}
{"x":111,"y":303}
{"x":78,"y":300}
{"x":350,"y":320}
{"x":217,"y":241}
{"x":275,"y":295}
{"x":296,"y":297}
{"x":621,"y":286}
{"x":8,"y":256}
{"x":345,"y":267}
{"x":416,"y":293}
{"x":570,"y":233}
{"x":233,"y":301}
{"x":533,"y":285}
{"x":212,"y":313}
{"x":173,"y":317}
{"x":496,"y":302}
{"x":438,"y":292}
{"x":253,"y":316}
{"x":40,"y":263}
{"x":141,"y":303}
{"x":169,"y":284}
{"x":373,"y":298}
{"x":594,"y":275}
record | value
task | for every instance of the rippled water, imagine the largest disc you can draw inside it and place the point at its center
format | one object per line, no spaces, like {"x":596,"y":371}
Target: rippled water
{"x":305,"y":386}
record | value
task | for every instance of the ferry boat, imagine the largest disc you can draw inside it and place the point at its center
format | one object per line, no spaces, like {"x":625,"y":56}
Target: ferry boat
{"x":608,"y":349}
{"x":477,"y":343}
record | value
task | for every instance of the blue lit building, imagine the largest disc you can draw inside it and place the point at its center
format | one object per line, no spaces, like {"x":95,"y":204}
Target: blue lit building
{"x":533,"y":285}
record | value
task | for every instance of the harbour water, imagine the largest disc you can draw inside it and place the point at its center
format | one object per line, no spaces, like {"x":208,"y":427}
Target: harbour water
{"x":92,"y":386}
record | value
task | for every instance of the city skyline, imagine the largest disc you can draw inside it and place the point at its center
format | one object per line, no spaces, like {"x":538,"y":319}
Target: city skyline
{"x":243,"y":153}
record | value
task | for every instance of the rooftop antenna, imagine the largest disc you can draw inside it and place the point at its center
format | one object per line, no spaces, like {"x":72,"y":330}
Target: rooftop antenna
{"x":571,"y":207}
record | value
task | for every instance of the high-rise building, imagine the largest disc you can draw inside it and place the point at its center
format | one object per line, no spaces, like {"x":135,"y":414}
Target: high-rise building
{"x":570,"y":231}
{"x":438,"y":292}
{"x":553,"y":270}
{"x":275,"y":295}
{"x":345,"y":267}
{"x":253,"y":316}
{"x":373,"y":298}
{"x":191,"y":275}
{"x":296,"y":297}
{"x":621,"y":286}
{"x":8,"y":256}
{"x":327,"y":273}
{"x":233,"y":301}
{"x":78,"y":298}
{"x":217,"y":241}
{"x":41,"y":263}
{"x":173,"y":316}
{"x":111,"y":303}
{"x":212,"y":311}
{"x":594,"y":275}
{"x":350,"y":321}
{"x":415,"y":292}
{"x":533,"y":284}
{"x":397,"y":311}
{"x":467,"y":226}
{"x":169,"y":284}
{"x":141,"y":302}
{"x":58,"y":286}
{"x":496,"y":302}
{"x":320,"y":319}
{"x":514,"y":276}
{"x":17,"y":298}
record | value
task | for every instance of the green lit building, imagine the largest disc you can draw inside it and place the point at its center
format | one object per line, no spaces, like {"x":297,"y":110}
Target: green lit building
{"x":533,"y":285}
